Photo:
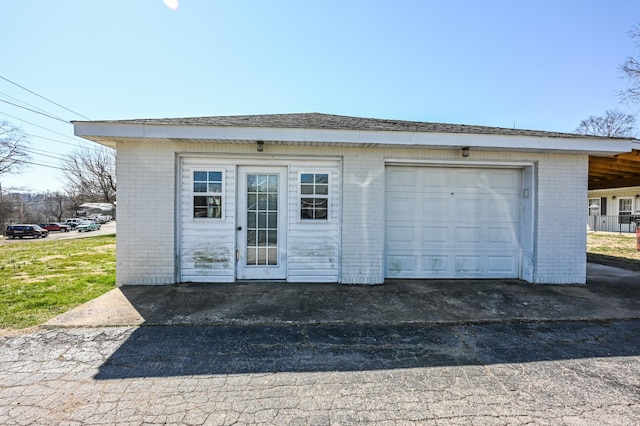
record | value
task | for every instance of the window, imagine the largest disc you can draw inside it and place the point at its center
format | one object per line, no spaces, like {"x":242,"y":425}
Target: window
{"x":314,"y":196}
{"x":207,"y":194}
{"x":594,"y":206}
{"x":625,"y":206}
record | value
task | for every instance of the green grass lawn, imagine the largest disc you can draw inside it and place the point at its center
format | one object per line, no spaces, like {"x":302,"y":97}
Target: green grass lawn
{"x":44,"y":278}
{"x":621,"y":246}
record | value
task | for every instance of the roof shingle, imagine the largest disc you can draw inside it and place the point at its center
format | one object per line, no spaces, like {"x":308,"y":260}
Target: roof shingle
{"x":340,"y":122}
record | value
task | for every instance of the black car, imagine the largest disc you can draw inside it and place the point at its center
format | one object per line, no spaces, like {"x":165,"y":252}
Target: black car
{"x":21,"y":231}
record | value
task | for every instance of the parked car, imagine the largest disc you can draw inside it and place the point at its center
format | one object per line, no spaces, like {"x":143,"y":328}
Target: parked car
{"x":29,"y":230}
{"x":73,"y":222}
{"x":88,"y":225}
{"x":100,"y":218}
{"x":55,"y":226}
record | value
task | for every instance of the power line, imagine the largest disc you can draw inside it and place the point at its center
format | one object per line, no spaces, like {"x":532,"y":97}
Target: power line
{"x":40,"y":164}
{"x":21,"y":101}
{"x":56,"y":140}
{"x":34,"y":111}
{"x":44,"y":153}
{"x":37,"y":125}
{"x":46,"y":99}
{"x":63,"y":142}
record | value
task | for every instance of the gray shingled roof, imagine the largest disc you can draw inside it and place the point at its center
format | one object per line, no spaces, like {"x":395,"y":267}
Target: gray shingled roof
{"x":340,"y":122}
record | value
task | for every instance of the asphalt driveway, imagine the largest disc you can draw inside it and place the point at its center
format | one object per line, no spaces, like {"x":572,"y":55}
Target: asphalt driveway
{"x":500,"y":353}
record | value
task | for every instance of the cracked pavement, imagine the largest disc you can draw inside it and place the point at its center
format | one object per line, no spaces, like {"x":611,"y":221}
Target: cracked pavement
{"x":481,"y":374}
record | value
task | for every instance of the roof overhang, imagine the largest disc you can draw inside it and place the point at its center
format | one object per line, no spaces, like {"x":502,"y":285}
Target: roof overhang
{"x":112,"y":133}
{"x":619,"y":171}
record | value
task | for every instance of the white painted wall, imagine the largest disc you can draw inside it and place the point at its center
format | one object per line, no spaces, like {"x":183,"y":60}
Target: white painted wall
{"x":561,"y":240}
{"x":146,"y":239}
{"x":148,"y":249}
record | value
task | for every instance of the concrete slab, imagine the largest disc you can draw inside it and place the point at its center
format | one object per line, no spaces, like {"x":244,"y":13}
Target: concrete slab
{"x":110,"y":309}
{"x":611,"y":293}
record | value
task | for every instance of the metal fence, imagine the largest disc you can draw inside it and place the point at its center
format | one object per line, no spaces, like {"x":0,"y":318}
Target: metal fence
{"x":610,"y":223}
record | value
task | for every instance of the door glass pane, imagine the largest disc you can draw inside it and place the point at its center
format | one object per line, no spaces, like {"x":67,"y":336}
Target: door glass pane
{"x":262,"y":220}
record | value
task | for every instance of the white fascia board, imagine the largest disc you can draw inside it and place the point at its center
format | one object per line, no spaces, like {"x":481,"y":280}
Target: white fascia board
{"x":593,"y":146}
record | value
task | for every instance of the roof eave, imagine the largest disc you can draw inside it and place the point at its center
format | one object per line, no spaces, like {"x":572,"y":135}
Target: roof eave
{"x":108,"y":133}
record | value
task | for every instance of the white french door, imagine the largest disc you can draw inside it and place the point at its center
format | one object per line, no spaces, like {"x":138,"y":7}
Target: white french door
{"x":262,"y":223}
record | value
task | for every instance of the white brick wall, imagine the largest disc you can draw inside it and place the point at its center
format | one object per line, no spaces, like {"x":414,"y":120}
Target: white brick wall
{"x":146,"y":193}
{"x":561,"y":241}
{"x":147,"y":188}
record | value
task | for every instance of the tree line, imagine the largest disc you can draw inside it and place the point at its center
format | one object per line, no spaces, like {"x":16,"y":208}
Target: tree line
{"x":89,"y":176}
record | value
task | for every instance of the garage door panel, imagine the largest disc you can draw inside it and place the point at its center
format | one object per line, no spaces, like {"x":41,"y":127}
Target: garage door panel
{"x":469,"y":208}
{"x":501,"y":264}
{"x":433,"y":264}
{"x":401,"y":207}
{"x":469,"y":235}
{"x":468,"y":224}
{"x":401,"y":179}
{"x":504,"y":180}
{"x":434,"y":234}
{"x":403,"y":266}
{"x":504,"y":209}
{"x":400,"y":234}
{"x":506,"y":236}
{"x":434,"y":206}
{"x":467,"y":265}
{"x":465,"y":179}
{"x":431,"y":178}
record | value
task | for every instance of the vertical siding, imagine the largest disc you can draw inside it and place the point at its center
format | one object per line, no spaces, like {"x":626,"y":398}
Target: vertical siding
{"x":207,"y":246}
{"x":314,"y":246}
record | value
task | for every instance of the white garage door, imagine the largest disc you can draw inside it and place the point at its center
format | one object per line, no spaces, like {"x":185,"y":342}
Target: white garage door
{"x":451,"y":222}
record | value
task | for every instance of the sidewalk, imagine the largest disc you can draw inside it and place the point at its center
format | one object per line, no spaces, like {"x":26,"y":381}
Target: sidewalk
{"x":611,"y":293}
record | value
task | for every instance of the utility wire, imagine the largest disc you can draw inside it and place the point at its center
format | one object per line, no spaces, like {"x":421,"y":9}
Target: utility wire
{"x":43,"y":153}
{"x":37,"y":125}
{"x":40,"y":164}
{"x":40,"y":96}
{"x":13,"y":98}
{"x":63,"y":142}
{"x":34,"y":111}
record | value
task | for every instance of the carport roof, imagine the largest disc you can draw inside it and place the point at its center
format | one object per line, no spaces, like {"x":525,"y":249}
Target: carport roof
{"x":338,"y":129}
{"x":619,"y":171}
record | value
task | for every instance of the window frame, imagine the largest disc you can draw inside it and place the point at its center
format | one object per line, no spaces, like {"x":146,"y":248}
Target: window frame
{"x":592,"y":212}
{"x":326,"y":196}
{"x":620,"y":200}
{"x":220,"y":194}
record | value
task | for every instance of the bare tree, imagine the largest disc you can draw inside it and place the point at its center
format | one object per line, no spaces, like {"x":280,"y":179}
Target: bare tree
{"x":631,"y":70}
{"x":7,"y":208}
{"x":612,"y":124}
{"x":91,"y":175}
{"x":12,"y":148}
{"x":55,"y":205}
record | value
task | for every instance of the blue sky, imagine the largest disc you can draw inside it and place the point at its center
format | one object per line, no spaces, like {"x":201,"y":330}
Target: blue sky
{"x":543,"y":64}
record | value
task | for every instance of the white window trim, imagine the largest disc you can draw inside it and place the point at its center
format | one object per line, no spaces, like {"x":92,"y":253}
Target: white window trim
{"x":222,"y":194}
{"x":300,"y":195}
{"x":594,"y":211}
{"x":620,"y":199}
